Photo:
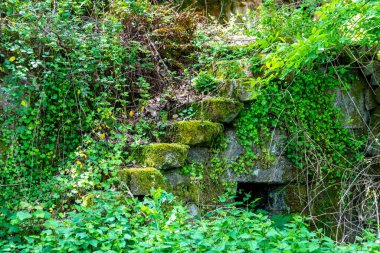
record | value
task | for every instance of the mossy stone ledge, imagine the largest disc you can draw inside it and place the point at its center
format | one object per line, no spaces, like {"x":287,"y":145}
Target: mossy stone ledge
{"x":141,"y":180}
{"x":219,"y":109}
{"x":164,"y":155}
{"x":196,"y":132}
{"x":242,"y":89}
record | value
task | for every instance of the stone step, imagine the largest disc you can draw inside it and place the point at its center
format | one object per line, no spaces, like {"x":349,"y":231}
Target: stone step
{"x":217,"y":109}
{"x":164,"y":155}
{"x":140,"y":181}
{"x":196,"y":132}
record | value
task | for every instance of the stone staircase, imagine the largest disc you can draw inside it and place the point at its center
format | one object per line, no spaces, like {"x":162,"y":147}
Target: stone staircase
{"x":191,"y":141}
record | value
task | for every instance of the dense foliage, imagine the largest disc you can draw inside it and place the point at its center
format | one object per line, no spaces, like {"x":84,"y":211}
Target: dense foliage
{"x":82,"y":83}
{"x":114,"y":223}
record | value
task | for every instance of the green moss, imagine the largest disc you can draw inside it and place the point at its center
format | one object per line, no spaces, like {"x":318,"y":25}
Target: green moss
{"x":164,"y":155}
{"x":199,"y":191}
{"x":196,"y":132}
{"x":141,"y":180}
{"x":217,"y":109}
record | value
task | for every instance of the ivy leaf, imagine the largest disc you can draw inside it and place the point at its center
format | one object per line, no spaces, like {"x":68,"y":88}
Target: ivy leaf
{"x":23,"y":215}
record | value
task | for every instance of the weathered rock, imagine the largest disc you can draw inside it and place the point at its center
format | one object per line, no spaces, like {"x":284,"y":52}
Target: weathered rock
{"x":223,"y":110}
{"x":196,"y":132}
{"x":370,"y":99}
{"x":175,"y":177}
{"x":352,"y":106}
{"x":275,"y":146}
{"x":240,"y":89}
{"x":234,"y":150}
{"x":198,"y":155}
{"x":141,"y":180}
{"x":281,"y":172}
{"x":193,"y":190}
{"x":164,"y":155}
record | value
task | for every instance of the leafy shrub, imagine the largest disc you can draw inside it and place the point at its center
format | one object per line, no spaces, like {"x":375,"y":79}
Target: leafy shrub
{"x":205,"y":82}
{"x":160,"y":224}
{"x":75,"y":71}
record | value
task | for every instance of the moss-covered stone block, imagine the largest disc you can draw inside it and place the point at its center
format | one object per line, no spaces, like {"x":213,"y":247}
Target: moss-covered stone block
{"x":141,"y":180}
{"x":196,"y":132}
{"x":200,"y":191}
{"x":243,"y":89}
{"x":217,"y":109}
{"x":164,"y":155}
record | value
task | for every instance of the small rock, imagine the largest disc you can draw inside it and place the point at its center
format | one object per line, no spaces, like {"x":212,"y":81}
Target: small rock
{"x":193,"y":209}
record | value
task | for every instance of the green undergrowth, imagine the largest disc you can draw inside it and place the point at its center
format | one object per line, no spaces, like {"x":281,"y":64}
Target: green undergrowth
{"x":114,"y":223}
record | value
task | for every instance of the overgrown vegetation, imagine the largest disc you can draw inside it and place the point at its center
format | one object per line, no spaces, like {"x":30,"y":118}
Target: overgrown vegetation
{"x":84,"y":83}
{"x":159,"y":224}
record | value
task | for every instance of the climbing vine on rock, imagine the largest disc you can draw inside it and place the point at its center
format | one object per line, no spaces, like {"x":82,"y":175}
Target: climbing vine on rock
{"x":304,"y":108}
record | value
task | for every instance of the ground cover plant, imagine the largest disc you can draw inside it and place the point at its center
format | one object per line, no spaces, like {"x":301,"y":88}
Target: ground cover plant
{"x":84,"y":83}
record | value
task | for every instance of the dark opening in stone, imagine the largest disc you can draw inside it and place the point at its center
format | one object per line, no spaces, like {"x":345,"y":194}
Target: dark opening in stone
{"x":272,"y":196}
